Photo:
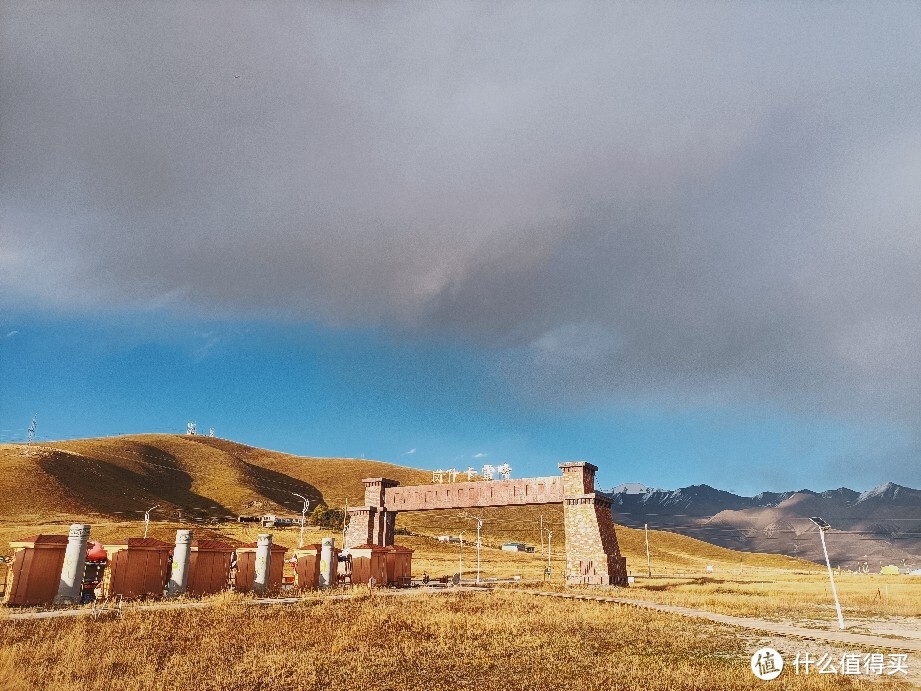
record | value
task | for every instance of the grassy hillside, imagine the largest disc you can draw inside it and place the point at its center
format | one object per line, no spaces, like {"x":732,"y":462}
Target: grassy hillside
{"x":204,"y":482}
{"x":200,"y":476}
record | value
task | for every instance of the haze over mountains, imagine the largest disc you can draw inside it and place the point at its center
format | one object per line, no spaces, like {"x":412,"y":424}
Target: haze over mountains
{"x":880,"y":525}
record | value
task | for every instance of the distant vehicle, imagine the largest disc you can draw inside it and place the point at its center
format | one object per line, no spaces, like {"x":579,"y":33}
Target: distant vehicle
{"x":517,"y":547}
{"x":270,"y":520}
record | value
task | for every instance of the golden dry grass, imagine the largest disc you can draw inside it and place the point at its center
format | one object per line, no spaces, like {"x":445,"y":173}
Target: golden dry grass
{"x":670,"y":552}
{"x":788,"y":595}
{"x":455,"y":641}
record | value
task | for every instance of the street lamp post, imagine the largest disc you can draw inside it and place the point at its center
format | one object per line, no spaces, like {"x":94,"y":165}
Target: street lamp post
{"x":648,"y":562}
{"x":147,"y":518}
{"x":479,"y":526}
{"x":460,"y":574}
{"x":303,"y":515}
{"x":541,"y":530}
{"x":823,"y":526}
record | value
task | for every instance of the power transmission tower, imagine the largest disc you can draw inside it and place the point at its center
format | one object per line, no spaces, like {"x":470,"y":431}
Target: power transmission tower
{"x":31,"y":437}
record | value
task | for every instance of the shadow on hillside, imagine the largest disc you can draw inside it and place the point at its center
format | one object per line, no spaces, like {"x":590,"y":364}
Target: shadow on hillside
{"x":280,"y":488}
{"x":225,"y":445}
{"x":277,"y":488}
{"x":109,"y":488}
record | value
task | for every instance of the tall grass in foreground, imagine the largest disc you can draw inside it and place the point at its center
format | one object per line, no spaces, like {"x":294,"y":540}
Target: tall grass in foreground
{"x":502,"y":640}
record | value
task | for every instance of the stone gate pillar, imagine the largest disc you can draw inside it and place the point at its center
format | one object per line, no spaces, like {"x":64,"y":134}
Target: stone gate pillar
{"x":372,"y":524}
{"x":361,"y":526}
{"x":592,"y":554}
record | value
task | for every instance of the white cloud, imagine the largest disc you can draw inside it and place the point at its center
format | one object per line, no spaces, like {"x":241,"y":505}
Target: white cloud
{"x":480,"y":455}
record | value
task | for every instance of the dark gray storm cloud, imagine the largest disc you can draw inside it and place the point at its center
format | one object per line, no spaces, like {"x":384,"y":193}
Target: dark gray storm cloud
{"x":720,"y":200}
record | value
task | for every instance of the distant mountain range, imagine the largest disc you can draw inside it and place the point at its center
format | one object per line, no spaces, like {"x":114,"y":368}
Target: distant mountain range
{"x":882,"y":525}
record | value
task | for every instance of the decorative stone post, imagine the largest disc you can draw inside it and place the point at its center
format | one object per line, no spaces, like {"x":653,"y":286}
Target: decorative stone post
{"x":326,"y":562}
{"x":74,"y":564}
{"x":179,"y":572}
{"x":263,"y":562}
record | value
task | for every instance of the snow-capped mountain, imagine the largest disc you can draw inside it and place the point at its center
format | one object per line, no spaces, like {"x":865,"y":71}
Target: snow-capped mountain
{"x":881,"y":524}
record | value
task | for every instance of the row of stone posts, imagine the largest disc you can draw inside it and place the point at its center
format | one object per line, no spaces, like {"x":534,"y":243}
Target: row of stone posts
{"x":75,"y":563}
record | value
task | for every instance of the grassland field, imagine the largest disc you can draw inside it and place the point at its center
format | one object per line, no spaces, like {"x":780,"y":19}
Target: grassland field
{"x":460,"y":640}
{"x":504,"y":640}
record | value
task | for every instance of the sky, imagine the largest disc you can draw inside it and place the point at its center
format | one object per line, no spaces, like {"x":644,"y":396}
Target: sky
{"x":680,"y":241}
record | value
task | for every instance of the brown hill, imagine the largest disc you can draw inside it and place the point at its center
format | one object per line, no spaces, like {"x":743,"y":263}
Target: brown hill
{"x":200,"y":476}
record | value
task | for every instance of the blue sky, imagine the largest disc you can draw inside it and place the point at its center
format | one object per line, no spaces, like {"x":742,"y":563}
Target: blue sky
{"x":350,"y":393}
{"x":678,"y":241}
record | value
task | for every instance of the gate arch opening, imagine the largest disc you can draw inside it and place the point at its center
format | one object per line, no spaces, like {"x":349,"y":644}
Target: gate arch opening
{"x":592,"y":553}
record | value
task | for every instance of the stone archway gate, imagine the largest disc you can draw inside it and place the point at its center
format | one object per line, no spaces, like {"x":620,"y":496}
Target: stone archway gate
{"x":592,"y":553}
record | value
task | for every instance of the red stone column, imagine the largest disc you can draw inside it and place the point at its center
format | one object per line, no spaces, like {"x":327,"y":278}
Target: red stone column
{"x":375,"y":489}
{"x":361,"y":526}
{"x":592,"y":553}
{"x":383,"y":527}
{"x":372,"y":524}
